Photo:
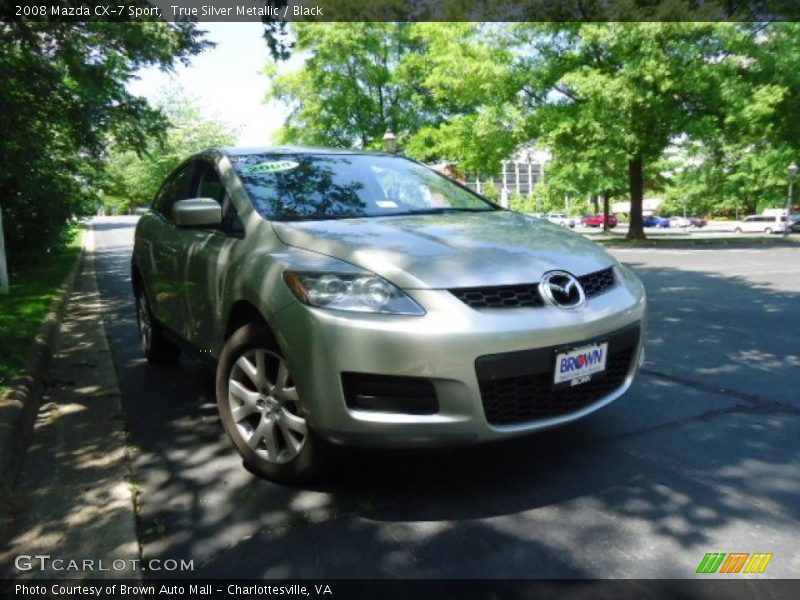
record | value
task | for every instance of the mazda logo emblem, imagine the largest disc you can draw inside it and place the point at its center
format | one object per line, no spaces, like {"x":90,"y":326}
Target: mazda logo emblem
{"x":562,"y":289}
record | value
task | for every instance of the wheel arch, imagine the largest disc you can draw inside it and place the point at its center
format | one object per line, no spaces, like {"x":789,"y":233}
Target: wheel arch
{"x":240,"y":314}
{"x":137,"y":282}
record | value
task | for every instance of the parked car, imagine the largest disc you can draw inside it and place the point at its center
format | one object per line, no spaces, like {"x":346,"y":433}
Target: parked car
{"x":655,"y":221}
{"x":560,"y":219}
{"x":761,"y":224}
{"x":698,"y":222}
{"x":686,"y":222}
{"x":680,"y":222}
{"x":794,"y":223}
{"x":597,"y":221}
{"x":355,"y":298}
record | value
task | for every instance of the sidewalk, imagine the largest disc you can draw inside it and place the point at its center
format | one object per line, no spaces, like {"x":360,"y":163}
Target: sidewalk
{"x":72,"y":499}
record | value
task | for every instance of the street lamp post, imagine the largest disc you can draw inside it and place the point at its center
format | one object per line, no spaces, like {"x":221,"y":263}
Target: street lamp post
{"x":792,"y":172}
{"x":390,"y":142}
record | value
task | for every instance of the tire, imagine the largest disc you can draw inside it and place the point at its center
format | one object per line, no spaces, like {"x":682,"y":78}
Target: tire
{"x":737,"y":230}
{"x":263,"y":417}
{"x":768,"y":231}
{"x":157,"y":349}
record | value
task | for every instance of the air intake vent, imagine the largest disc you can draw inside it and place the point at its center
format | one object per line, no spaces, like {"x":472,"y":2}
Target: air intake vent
{"x":386,"y":393}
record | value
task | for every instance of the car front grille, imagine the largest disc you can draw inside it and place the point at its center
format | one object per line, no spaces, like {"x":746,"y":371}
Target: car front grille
{"x":598,"y":282}
{"x":510,"y":396}
{"x":504,"y":296}
{"x":527,"y":294}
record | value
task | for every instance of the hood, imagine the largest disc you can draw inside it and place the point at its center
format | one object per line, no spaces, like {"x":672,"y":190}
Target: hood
{"x":450,"y":250}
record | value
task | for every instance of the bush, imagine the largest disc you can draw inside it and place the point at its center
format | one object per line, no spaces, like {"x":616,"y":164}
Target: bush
{"x":521,"y":203}
{"x":491,"y":192}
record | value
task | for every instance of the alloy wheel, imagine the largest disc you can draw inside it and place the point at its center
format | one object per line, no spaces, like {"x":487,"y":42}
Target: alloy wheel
{"x":264,"y":406}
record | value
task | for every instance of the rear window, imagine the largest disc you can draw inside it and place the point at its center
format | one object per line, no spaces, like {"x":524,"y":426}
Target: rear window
{"x":313,"y":187}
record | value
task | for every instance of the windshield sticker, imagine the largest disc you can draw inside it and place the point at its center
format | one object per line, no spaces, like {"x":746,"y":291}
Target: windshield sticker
{"x":386,"y":203}
{"x":271,"y":167}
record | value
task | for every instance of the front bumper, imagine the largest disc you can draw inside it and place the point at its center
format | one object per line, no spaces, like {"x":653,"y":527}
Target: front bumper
{"x":451,"y":346}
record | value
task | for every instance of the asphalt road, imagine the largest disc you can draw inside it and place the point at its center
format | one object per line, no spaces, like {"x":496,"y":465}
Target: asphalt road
{"x":702,"y":455}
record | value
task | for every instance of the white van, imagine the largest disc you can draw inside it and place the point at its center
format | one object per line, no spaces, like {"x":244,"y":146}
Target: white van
{"x":761,"y":224}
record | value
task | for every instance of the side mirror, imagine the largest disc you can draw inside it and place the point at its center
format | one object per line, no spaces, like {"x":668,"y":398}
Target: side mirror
{"x":197,"y":212}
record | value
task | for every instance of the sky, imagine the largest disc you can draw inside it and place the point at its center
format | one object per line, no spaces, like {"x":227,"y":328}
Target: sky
{"x":226,"y":82}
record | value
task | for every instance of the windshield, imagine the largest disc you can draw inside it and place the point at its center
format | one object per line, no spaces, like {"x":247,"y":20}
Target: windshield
{"x":290,"y":187}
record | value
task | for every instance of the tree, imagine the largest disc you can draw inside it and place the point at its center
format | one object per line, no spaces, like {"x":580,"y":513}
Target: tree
{"x":419,"y":80}
{"x":467,"y":73}
{"x":742,"y":167}
{"x":133,"y":178}
{"x":354,"y":86}
{"x":62,"y":100}
{"x":586,"y":159}
{"x":607,"y":99}
{"x":641,"y":85}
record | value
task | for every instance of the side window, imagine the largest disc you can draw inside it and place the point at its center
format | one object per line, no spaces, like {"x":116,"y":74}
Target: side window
{"x":163,"y":193}
{"x":176,"y":188}
{"x":208,"y":184}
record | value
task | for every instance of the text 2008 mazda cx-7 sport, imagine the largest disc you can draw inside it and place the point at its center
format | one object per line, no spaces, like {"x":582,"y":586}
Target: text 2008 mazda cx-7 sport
{"x":363,"y":299}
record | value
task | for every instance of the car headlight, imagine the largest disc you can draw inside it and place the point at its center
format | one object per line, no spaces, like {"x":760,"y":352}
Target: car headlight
{"x":356,"y":292}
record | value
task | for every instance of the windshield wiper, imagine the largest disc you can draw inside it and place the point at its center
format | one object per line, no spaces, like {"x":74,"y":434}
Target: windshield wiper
{"x":437,"y":211}
{"x":317,"y":218}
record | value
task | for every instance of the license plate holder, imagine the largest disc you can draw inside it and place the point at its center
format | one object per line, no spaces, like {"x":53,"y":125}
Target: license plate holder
{"x":576,"y":365}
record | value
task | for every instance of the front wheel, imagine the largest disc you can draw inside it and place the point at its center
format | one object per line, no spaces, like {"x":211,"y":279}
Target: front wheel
{"x":737,"y":230}
{"x":768,"y":231}
{"x":261,"y":412}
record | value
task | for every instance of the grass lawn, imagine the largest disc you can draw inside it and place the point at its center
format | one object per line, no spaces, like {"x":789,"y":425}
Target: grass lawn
{"x":22,"y":311}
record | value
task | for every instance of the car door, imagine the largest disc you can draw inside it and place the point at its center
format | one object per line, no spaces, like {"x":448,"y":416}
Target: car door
{"x":167,"y":250}
{"x":208,"y":251}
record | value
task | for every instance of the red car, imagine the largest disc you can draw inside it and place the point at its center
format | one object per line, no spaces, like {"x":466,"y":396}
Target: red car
{"x":597,"y":221}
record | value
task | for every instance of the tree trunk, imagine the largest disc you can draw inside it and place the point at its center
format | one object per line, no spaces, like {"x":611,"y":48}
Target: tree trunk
{"x":606,"y":211}
{"x":636,"y":182}
{"x":596,"y":203}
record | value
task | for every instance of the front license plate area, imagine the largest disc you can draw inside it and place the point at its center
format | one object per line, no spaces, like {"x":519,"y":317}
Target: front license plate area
{"x":576,"y":366}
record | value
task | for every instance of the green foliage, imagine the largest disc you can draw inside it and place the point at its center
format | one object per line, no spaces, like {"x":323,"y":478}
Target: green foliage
{"x":134,"y":178}
{"x":435,"y":85}
{"x":32,"y":291}
{"x":62,"y":101}
{"x":521,"y":203}
{"x":354,"y":86}
{"x":490,"y":191}
{"x":609,"y":98}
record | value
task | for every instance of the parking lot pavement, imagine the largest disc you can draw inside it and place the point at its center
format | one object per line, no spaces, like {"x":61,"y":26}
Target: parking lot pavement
{"x":700,"y":456}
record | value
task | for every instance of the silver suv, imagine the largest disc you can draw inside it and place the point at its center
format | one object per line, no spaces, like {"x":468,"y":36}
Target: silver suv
{"x":362,"y":299}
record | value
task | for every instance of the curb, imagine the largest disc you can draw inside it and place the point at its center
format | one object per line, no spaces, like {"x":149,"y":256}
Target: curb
{"x":20,"y":402}
{"x":721,"y":243}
